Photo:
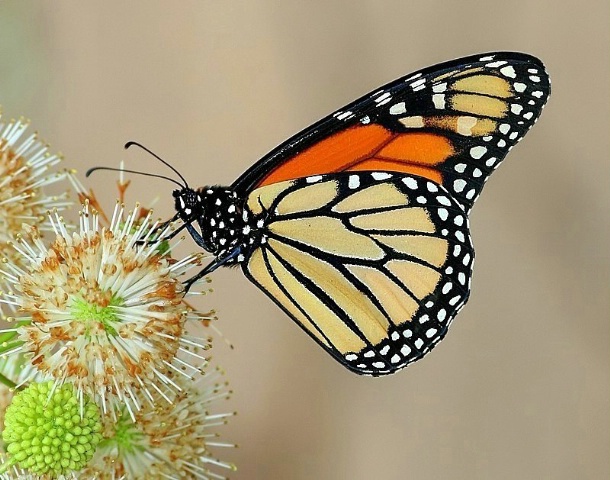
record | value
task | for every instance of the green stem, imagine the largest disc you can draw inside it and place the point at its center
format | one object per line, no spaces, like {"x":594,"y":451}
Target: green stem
{"x":5,"y":381}
{"x":7,"y":337}
{"x":5,"y":347}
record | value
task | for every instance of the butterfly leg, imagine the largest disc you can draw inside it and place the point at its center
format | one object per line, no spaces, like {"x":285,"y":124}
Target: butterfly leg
{"x":210,"y":267}
{"x":199,"y":240}
{"x":188,"y":226}
{"x":175,"y":232}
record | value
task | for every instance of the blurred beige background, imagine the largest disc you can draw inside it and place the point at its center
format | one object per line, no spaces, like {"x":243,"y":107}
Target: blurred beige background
{"x":520,"y":388}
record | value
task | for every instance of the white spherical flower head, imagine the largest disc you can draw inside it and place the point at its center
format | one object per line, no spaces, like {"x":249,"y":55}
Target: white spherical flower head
{"x":102,"y":308}
{"x":176,"y":439}
{"x":26,"y":168}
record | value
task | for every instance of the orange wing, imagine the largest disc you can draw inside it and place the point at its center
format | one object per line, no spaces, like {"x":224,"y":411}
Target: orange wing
{"x":368,"y":147}
{"x":452,"y":124}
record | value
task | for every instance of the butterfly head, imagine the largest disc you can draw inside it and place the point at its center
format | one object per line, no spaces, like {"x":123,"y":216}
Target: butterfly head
{"x":188,"y":204}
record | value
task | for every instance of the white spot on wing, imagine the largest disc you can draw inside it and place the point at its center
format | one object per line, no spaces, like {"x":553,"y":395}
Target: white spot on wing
{"x":497,"y":64}
{"x":381,"y":175}
{"x":508,"y":71}
{"x":465,"y":124}
{"x":313,"y":179}
{"x":519,"y":87}
{"x":516,"y":108}
{"x":413,"y":77}
{"x":344,"y":115}
{"x":353,"y":182}
{"x":440,"y":88}
{"x":459,"y":185}
{"x":383,"y":99}
{"x":410,"y":182}
{"x":439,"y":101}
{"x":477,"y":152}
{"x":398,"y":109}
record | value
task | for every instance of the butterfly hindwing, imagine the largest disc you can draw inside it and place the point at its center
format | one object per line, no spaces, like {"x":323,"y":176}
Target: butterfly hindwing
{"x":452,"y":123}
{"x":373,"y":265}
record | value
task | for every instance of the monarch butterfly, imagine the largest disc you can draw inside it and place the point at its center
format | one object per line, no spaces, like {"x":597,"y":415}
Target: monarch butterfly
{"x":357,"y":227}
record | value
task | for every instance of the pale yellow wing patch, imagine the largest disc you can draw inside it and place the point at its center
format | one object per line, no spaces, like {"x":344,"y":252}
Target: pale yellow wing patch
{"x":415,"y":219}
{"x":329,"y":235}
{"x":263,"y":197}
{"x":376,"y":196}
{"x":260,"y":272}
{"x":421,"y":280}
{"x":334,"y":328}
{"x":308,"y":198}
{"x":396,"y":302}
{"x":479,"y":105}
{"x":432,"y":250}
{"x":484,"y":84}
{"x":356,"y":305}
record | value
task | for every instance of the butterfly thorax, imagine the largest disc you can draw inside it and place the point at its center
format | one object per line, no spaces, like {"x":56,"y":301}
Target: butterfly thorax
{"x":227,"y":227}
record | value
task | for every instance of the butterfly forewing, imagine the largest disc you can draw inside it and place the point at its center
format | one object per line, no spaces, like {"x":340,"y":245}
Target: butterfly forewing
{"x":452,"y":123}
{"x":373,"y":265}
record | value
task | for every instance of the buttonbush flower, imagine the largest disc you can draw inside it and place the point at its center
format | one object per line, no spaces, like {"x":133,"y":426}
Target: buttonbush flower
{"x":168,"y":439}
{"x":101,"y":308}
{"x":99,"y":375}
{"x":26,"y":168}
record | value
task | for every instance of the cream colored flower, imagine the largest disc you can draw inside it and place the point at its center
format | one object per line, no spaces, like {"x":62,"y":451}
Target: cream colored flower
{"x":103,"y":309}
{"x":168,"y":439}
{"x":26,"y":168}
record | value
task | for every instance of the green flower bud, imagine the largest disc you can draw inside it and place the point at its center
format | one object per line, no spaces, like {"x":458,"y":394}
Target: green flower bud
{"x":48,"y":431}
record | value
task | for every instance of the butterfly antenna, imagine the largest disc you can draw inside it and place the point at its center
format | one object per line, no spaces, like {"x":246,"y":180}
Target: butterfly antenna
{"x":91,"y":170}
{"x":129,"y":144}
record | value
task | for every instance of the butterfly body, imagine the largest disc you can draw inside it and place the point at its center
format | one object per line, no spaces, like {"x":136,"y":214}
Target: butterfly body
{"x":357,"y":227}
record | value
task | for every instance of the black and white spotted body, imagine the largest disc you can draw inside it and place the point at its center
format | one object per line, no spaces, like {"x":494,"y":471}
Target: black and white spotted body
{"x":227,"y":228}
